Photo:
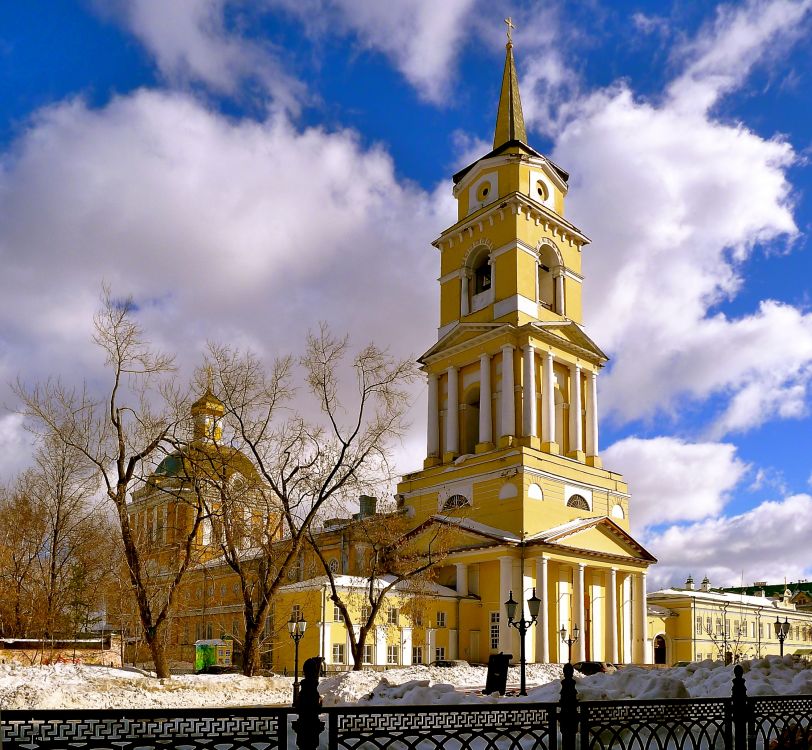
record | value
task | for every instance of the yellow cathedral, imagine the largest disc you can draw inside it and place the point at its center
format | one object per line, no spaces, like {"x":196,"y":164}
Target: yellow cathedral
{"x":512,"y":463}
{"x":512,"y":441}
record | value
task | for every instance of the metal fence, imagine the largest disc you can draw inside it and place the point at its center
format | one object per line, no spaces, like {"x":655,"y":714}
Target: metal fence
{"x":735,"y":723}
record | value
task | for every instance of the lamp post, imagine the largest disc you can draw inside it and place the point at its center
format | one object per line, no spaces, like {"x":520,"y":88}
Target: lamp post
{"x":781,"y":631}
{"x":522,"y":626}
{"x":569,"y":640}
{"x":296,"y":628}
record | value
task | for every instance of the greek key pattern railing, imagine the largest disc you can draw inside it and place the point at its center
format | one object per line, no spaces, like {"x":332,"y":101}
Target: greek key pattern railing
{"x":780,"y":723}
{"x":445,"y":727}
{"x":656,"y":725}
{"x":227,"y":729}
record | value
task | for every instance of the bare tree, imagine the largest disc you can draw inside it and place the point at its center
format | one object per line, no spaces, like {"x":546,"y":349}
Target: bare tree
{"x":22,"y":539}
{"x":304,"y":463}
{"x":389,"y":559}
{"x":119,"y":436}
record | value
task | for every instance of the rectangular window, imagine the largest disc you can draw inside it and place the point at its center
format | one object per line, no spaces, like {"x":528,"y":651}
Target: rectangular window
{"x":338,"y":653}
{"x":441,"y":619}
{"x":235,"y":627}
{"x":392,"y":616}
{"x":736,"y":630}
{"x":392,"y":655}
{"x":719,"y":625}
{"x":209,"y":631}
{"x":797,"y":632}
{"x":708,"y":625}
{"x":727,"y":628}
{"x":365,"y":612}
{"x":336,"y":614}
{"x":761,"y":630}
{"x":698,"y":624}
{"x":367,"y":653}
{"x":417,"y":654}
{"x":439,"y":653}
{"x":752,"y":630}
{"x":296,"y":612}
{"x":494,"y":632}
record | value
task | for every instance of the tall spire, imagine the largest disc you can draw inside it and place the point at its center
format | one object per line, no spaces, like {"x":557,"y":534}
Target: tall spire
{"x":509,"y":118}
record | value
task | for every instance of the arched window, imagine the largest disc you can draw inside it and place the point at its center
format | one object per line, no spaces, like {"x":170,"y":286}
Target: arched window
{"x":578,"y":501}
{"x":477,"y":284}
{"x":455,"y":501}
{"x":550,"y":288}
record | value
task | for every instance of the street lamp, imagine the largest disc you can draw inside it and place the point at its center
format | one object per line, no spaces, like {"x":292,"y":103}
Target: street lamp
{"x":781,"y":631}
{"x":296,"y":628}
{"x":522,"y":626}
{"x":569,"y":640}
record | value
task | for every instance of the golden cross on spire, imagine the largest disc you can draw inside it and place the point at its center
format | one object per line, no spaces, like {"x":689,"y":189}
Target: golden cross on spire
{"x":209,"y":377}
{"x":510,"y":27}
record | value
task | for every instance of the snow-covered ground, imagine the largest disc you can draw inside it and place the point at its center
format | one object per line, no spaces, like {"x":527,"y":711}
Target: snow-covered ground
{"x":69,"y":686}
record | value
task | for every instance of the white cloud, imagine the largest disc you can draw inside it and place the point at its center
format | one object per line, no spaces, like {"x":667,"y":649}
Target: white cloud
{"x":722,"y":55}
{"x":766,"y":543}
{"x":420,"y":37}
{"x":191,"y":42}
{"x":242,"y":232}
{"x":677,"y":200}
{"x":672,"y":480}
{"x":15,"y":445}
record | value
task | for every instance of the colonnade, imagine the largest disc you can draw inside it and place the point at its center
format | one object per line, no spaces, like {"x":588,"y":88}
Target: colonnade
{"x":614,"y":628}
{"x":578,"y":442}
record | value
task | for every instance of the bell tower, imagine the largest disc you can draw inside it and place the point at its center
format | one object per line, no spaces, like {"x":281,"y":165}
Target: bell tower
{"x":512,"y":378}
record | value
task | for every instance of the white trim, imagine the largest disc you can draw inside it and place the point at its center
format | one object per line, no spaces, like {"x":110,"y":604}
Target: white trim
{"x":515,"y":303}
{"x":482,"y":300}
{"x":450,"y":276}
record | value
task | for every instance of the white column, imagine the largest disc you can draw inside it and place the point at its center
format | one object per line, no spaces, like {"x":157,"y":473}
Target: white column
{"x":576,"y":442}
{"x":452,"y":414}
{"x":380,"y":644}
{"x":597,"y":615}
{"x":626,"y":592}
{"x":464,"y":307}
{"x":559,"y":293}
{"x":431,"y":641}
{"x":564,"y":607}
{"x":611,"y":616}
{"x":326,"y":642}
{"x":592,"y":415}
{"x":543,"y":625}
{"x":529,"y":388}
{"x":405,"y":646}
{"x":508,"y":398}
{"x":641,"y":619}
{"x":485,"y":420}
{"x":433,"y":435}
{"x":578,"y":611}
{"x":548,"y":400}
{"x":527,"y":591}
{"x":462,"y":578}
{"x":505,"y":585}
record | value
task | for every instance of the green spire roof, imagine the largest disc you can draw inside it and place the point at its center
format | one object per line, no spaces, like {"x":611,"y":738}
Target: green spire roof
{"x":509,"y":118}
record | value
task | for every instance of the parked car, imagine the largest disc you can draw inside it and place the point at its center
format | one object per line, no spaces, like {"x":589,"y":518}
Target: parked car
{"x":593,"y":667}
{"x":449,"y":663}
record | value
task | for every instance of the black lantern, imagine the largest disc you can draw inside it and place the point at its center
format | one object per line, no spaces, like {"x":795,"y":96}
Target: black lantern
{"x":522,"y":626}
{"x":296,"y":628}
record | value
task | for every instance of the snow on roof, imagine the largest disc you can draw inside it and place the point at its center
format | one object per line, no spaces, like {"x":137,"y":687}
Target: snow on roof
{"x":357,"y":582}
{"x":570,"y":527}
{"x":480,"y":528}
{"x":716,"y":596}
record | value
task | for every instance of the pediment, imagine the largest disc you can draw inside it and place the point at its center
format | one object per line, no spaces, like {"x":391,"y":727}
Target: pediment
{"x":571,"y":332}
{"x":461,"y":335}
{"x":600,"y":536}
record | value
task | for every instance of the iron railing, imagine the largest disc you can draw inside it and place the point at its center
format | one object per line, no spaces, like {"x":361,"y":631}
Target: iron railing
{"x":735,"y":723}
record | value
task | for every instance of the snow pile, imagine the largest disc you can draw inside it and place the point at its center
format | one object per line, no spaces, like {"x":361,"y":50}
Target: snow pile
{"x":84,"y":686}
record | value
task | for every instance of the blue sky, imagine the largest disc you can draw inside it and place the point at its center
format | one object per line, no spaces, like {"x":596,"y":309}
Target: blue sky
{"x":234,"y":165}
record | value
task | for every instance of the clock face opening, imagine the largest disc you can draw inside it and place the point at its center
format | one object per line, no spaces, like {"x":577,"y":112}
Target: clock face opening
{"x":484,"y":191}
{"x":542,"y":191}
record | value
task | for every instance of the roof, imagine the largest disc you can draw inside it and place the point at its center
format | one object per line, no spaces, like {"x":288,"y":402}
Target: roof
{"x":556,"y":533}
{"x":509,"y":117}
{"x":357,"y":582}
{"x":521,"y":146}
{"x":716,"y":596}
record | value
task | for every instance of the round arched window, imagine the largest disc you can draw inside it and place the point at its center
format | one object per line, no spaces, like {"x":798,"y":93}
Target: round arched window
{"x":578,"y":501}
{"x":334,"y":566}
{"x":455,"y":501}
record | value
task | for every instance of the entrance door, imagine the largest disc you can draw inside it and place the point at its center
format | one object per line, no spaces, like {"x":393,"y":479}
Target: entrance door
{"x":659,"y":650}
{"x":473,"y":647}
